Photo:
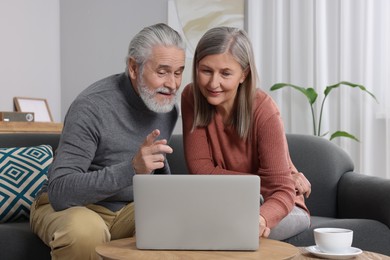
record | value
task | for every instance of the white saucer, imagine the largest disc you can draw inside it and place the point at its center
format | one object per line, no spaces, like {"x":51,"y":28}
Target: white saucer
{"x":353,"y":251}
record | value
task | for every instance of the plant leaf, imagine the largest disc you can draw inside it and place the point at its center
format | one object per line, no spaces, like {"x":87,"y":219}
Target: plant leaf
{"x":343,"y":134}
{"x":310,"y":93}
{"x":353,"y":85}
{"x":324,"y":134}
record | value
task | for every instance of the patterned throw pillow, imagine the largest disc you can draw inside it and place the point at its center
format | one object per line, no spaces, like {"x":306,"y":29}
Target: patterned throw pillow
{"x":22,"y":173}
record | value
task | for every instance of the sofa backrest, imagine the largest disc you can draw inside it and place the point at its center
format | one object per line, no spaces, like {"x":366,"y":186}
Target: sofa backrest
{"x":323,"y":163}
{"x":176,"y":159}
{"x":29,"y":139}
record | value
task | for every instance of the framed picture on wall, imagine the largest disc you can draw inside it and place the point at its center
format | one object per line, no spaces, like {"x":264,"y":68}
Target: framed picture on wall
{"x":39,"y":106}
{"x":193,"y":18}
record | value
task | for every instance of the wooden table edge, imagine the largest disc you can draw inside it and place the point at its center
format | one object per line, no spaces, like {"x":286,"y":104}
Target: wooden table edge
{"x":122,"y":248}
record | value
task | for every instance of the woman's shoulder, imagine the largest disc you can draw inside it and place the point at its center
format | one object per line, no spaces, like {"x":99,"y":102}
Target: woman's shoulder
{"x":264,"y":107}
{"x":264,"y":100}
{"x":266,"y":114}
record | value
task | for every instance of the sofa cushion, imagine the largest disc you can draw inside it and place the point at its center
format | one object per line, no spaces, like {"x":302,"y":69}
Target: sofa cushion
{"x":22,"y":173}
{"x":18,"y":242}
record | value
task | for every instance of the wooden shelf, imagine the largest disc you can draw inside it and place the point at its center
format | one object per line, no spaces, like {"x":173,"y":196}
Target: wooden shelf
{"x":30,"y":127}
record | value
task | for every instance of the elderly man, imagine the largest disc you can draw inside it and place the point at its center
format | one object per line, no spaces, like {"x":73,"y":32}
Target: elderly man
{"x":116,"y":128}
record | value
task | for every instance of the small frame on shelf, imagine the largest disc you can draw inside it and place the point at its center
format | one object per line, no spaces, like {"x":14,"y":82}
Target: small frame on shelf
{"x":39,"y":106}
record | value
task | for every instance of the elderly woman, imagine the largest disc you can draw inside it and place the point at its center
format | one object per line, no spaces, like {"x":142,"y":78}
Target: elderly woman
{"x":231,"y":127}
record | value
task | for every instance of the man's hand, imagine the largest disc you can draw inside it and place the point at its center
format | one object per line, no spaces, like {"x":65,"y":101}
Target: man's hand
{"x":302,"y":185}
{"x":151,"y":154}
{"x":264,"y":231}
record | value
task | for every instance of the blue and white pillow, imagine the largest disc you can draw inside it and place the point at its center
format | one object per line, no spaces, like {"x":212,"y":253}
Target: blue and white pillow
{"x":22,"y":173}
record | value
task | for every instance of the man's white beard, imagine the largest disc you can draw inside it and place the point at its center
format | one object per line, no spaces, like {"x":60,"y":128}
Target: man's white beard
{"x":149,"y":98}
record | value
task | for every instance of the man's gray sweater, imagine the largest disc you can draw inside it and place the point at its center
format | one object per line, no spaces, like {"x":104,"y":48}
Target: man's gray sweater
{"x":103,"y":130}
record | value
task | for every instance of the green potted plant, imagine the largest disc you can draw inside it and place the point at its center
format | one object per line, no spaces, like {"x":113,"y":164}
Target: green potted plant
{"x":312,"y":95}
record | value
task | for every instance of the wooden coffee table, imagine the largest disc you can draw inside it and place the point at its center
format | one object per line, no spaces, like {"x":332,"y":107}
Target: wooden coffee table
{"x":269,"y":249}
{"x":126,"y":249}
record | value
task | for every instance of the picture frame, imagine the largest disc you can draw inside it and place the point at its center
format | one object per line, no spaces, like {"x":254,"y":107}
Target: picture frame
{"x":39,"y":106}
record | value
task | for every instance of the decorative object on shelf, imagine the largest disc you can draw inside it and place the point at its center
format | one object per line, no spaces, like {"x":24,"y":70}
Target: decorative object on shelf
{"x":38,"y":106}
{"x":312,"y":95}
{"x":6,"y":116}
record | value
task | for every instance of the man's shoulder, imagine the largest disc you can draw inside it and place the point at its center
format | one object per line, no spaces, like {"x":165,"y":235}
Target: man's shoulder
{"x":107,"y":84}
{"x":100,"y":94}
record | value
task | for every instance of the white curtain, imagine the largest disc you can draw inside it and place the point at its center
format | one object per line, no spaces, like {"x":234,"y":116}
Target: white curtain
{"x":317,"y":43}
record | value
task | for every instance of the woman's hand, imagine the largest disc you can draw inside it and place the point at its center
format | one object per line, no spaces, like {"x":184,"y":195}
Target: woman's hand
{"x":264,"y":231}
{"x":302,"y":185}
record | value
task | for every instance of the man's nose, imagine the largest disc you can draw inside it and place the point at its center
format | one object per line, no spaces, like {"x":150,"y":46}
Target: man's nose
{"x":173,"y":82}
{"x":170,"y":81}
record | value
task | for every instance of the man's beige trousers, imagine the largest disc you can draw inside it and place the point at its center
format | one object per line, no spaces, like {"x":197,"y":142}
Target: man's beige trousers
{"x":75,"y":232}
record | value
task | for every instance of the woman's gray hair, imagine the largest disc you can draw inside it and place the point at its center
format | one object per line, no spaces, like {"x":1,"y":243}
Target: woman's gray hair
{"x":140,"y":47}
{"x":236,"y":42}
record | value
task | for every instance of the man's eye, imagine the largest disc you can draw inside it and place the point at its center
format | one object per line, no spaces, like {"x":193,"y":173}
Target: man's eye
{"x":178,"y":73}
{"x":162,"y":72}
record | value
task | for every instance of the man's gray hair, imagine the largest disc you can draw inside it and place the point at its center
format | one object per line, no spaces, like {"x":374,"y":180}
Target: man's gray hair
{"x":140,"y":47}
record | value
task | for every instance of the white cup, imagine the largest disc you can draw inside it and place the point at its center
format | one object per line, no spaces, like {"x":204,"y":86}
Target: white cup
{"x":333,"y":240}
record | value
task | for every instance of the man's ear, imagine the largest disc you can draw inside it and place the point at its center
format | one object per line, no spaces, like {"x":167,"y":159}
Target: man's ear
{"x":133,"y":68}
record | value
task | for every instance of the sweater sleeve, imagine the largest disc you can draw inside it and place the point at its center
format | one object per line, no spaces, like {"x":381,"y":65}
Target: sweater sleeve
{"x":277,"y":186}
{"x":72,"y":182}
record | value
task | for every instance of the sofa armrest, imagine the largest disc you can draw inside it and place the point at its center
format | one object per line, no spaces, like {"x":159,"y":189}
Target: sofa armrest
{"x":323,"y":163}
{"x":363,"y":196}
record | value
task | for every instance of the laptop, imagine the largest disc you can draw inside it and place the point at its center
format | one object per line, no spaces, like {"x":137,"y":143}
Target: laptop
{"x":197,"y":212}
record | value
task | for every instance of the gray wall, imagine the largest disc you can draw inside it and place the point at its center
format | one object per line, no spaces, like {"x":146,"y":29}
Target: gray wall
{"x":30,"y":52}
{"x":54,"y":49}
{"x":94,"y":36}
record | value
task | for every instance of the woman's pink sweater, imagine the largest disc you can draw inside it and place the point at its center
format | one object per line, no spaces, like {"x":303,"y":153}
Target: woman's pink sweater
{"x":217,"y":149}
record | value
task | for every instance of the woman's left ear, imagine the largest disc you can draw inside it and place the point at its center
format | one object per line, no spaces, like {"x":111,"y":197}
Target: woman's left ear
{"x":244,"y":75}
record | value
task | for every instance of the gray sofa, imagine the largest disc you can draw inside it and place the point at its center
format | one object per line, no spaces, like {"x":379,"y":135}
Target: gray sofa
{"x":340,"y":197}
